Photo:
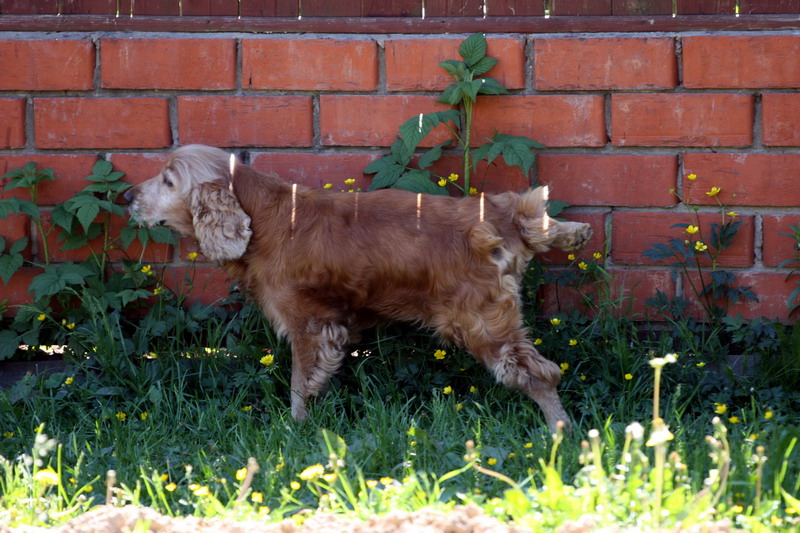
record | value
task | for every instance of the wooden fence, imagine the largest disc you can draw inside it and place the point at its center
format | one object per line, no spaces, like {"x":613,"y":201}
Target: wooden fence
{"x":396,"y":8}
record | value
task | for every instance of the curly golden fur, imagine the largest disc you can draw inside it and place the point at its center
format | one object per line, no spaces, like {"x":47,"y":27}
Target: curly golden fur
{"x":325,"y":265}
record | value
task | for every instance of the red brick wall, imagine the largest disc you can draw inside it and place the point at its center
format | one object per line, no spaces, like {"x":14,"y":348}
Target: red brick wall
{"x":625,"y":119}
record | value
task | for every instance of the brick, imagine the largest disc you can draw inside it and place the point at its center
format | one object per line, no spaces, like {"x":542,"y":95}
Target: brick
{"x":46,"y":65}
{"x":633,"y":232}
{"x":70,"y":171}
{"x":12,"y":130}
{"x":495,"y":178}
{"x":310,"y":64}
{"x":629,"y":289}
{"x":413,"y":64}
{"x":138,"y":167}
{"x":316,"y":170}
{"x":595,"y":245}
{"x":613,"y":180}
{"x":17,"y":289}
{"x":245,"y":120}
{"x":155,"y":252}
{"x":745,"y":179}
{"x":682,"y":119}
{"x":771,"y":288}
{"x":781,"y":114}
{"x":360,"y":120}
{"x":778,"y":247}
{"x":601,"y":63}
{"x":168,"y":63}
{"x":201,"y":283}
{"x":62,"y":123}
{"x":553,"y":120}
{"x":741,"y":61}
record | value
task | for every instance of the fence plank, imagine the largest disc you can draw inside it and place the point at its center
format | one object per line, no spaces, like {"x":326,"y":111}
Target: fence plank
{"x":149,"y":7}
{"x":392,"y":8}
{"x":270,"y":8}
{"x":331,"y":8}
{"x":769,"y":6}
{"x":642,"y":7}
{"x":515,"y":8}
{"x":454,"y":8}
{"x":581,"y":7}
{"x":706,"y":7}
{"x":25,"y":7}
{"x":213,"y":8}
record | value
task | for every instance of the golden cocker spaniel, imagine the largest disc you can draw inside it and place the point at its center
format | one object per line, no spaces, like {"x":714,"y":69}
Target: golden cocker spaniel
{"x":325,"y":265}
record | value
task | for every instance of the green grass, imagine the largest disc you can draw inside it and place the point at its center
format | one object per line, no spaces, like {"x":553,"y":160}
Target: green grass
{"x":188,"y":419}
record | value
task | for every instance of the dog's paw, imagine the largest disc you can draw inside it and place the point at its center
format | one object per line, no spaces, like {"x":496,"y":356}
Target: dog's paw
{"x":575,"y":240}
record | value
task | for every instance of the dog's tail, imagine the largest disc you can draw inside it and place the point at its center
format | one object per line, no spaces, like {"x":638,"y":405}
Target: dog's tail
{"x":532,"y":220}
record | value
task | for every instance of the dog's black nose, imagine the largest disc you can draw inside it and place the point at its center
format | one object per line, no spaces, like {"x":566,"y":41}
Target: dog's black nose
{"x":129,"y":195}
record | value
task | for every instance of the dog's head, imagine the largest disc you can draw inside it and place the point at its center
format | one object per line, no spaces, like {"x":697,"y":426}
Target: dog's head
{"x":193,"y":194}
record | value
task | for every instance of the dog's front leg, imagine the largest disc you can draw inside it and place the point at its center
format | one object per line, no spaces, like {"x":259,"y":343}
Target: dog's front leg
{"x":317,"y":353}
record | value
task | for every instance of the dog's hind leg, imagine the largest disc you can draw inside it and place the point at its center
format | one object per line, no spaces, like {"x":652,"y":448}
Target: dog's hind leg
{"x":494,"y":335}
{"x":317,"y":354}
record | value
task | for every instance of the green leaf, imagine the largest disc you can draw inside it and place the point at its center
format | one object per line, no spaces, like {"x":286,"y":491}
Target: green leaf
{"x":451,"y":95}
{"x":18,"y":246}
{"x":162,"y":235}
{"x":86,"y":215}
{"x":483,"y":66}
{"x":419,"y":181}
{"x":9,"y":264}
{"x":387,"y":177}
{"x":379,"y":164}
{"x":457,"y":69}
{"x":470,"y":88}
{"x":556,"y":207}
{"x":55,"y":279}
{"x":431,"y":156}
{"x":62,"y":218}
{"x":402,"y":151}
{"x":490,"y":86}
{"x":473,"y":49}
{"x":102,"y":168}
{"x":9,"y":343}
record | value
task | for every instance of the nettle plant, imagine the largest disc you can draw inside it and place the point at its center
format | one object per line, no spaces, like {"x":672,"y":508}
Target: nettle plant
{"x":60,"y":288}
{"x":401,"y":170}
{"x":715,"y":289}
{"x":793,"y":303}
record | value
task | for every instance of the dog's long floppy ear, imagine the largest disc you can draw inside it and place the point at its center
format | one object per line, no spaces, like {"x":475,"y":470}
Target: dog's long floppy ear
{"x":221,"y":227}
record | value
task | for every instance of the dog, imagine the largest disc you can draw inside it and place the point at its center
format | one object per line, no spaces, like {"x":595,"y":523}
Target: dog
{"x":325,"y":265}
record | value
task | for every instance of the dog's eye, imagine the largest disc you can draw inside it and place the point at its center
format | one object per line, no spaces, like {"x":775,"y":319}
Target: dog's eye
{"x":168,"y":182}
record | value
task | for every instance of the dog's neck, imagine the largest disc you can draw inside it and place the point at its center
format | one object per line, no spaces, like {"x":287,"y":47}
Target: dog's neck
{"x":256,"y":191}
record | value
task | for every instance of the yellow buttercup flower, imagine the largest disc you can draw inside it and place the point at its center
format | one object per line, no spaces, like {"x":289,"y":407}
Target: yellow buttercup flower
{"x":453,"y":177}
{"x":700,"y":247}
{"x":628,"y":377}
{"x":571,"y":257}
{"x":447,"y":390}
{"x":327,"y":186}
{"x":312,"y":472}
{"x":41,"y":317}
{"x":528,"y":445}
{"x":350,"y":181}
{"x":473,"y":388}
{"x":439,"y":354}
{"x":734,"y":420}
{"x":582,"y":265}
{"x":597,"y":255}
{"x":143,"y":415}
{"x":573,"y":342}
{"x":121,"y":416}
{"x":147,"y":269}
{"x":768,"y":415}
{"x":46,"y":476}
{"x":732,"y":214}
{"x":241,"y":474}
{"x":201,"y":491}
{"x":720,"y":408}
{"x":69,"y":380}
{"x":691,"y":177}
{"x":714,"y":191}
{"x":267,"y":360}
{"x":170,"y":487}
{"x":555,"y":321}
{"x":257,"y":497}
{"x":295,"y":485}
{"x":691,"y":230}
{"x":442,"y":182}
{"x":192,"y":256}
{"x":158,"y":290}
{"x":564,"y":367}
{"x":583,"y":377}
{"x":473,"y":191}
{"x":247,"y":408}
{"x":371,"y":483}
{"x":537,"y":341}
{"x":701,"y":364}
{"x":491,"y":461}
{"x":8,"y":434}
